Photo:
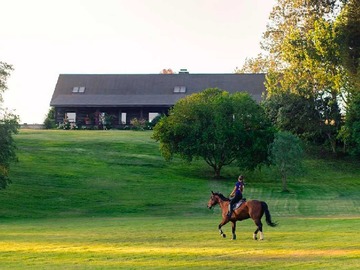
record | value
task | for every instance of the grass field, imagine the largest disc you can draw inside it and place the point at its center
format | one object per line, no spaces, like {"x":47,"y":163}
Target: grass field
{"x":107,"y":200}
{"x":182,"y":243}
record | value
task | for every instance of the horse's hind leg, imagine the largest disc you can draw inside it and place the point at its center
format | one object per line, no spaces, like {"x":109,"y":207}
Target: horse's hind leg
{"x":259,"y":228}
{"x":255,"y":234}
{"x":233,"y":228}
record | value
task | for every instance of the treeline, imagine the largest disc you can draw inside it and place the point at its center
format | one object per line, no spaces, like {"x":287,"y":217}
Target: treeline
{"x":311,"y":54}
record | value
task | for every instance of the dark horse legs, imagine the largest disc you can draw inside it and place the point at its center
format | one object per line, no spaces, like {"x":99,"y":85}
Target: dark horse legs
{"x":258,"y":224}
{"x":259,"y":228}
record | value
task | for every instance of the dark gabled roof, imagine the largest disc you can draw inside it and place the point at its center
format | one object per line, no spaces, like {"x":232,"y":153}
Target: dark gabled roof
{"x":147,"y":89}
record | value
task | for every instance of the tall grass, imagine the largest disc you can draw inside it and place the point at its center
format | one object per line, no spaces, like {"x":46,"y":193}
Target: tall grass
{"x":108,"y":200}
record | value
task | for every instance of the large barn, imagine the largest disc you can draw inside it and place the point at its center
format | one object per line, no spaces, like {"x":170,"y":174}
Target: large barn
{"x":87,"y":99}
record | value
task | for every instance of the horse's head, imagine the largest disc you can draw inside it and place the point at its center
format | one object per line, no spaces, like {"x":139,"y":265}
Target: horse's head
{"x":214,"y":200}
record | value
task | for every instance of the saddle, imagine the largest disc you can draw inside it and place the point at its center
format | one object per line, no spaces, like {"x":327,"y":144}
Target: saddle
{"x":239,"y":203}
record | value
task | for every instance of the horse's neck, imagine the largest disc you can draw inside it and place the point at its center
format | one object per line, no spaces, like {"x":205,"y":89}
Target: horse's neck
{"x":224,"y":205}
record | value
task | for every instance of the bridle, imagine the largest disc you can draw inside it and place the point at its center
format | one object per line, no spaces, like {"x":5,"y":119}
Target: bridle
{"x":212,"y":201}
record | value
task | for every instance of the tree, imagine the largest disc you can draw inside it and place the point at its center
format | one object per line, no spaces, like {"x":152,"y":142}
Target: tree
{"x":294,"y":113}
{"x":312,"y":49}
{"x":49,"y":121}
{"x":348,"y":32}
{"x":260,"y":64}
{"x":314,"y":70}
{"x":219,"y":127}
{"x":285,"y":16}
{"x":9,"y":124}
{"x":167,"y":71}
{"x":5,"y":70}
{"x":288,"y":15}
{"x":348,"y":38}
{"x":286,"y":155}
{"x":302,"y":56}
{"x":350,"y":132}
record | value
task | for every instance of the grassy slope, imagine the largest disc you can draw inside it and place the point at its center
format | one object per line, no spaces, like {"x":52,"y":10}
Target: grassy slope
{"x":107,"y":200}
{"x":111,"y":173}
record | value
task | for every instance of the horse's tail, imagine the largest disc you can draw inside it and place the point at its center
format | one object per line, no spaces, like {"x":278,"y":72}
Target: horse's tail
{"x":267,"y":215}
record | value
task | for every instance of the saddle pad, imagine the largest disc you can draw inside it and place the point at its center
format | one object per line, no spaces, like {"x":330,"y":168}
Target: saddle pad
{"x":238,"y":204}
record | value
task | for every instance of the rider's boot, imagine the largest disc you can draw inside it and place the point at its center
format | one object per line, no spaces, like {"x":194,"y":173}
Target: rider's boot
{"x":230,"y":211}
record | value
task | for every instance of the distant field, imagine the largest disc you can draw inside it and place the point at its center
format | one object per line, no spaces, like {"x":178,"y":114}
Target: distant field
{"x":108,"y":200}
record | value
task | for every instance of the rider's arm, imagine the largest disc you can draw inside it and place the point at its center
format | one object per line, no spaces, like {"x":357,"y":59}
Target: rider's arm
{"x":233,"y":192}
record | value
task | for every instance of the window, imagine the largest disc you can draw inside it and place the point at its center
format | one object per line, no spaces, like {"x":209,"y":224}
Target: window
{"x":180,"y":89}
{"x":123,"y":118}
{"x":78,"y":89}
{"x":152,"y":116}
{"x":71,"y":117}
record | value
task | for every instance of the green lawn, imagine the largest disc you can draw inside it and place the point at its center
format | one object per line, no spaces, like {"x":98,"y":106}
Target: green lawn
{"x":108,"y":200}
{"x":181,"y":243}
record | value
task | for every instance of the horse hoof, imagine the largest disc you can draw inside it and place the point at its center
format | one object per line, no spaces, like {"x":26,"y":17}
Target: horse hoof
{"x":224,"y":235}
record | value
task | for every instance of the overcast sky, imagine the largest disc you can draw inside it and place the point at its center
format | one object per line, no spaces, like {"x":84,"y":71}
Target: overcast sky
{"x":45,"y":38}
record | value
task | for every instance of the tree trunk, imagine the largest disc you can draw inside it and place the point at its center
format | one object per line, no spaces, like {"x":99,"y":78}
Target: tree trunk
{"x":284,"y":184}
{"x":217,"y":170}
{"x":332,"y":143}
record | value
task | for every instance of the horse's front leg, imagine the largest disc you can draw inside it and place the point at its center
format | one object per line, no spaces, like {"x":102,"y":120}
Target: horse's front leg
{"x":220,"y":230}
{"x":233,"y":228}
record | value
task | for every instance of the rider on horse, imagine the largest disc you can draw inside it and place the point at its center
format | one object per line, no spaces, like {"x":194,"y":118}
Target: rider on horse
{"x":236,"y":194}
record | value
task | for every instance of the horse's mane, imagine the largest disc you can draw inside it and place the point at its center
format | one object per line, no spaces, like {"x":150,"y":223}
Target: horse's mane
{"x":221,"y":196}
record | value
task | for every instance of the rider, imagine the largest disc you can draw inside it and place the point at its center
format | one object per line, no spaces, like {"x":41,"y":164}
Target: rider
{"x":236,"y":194}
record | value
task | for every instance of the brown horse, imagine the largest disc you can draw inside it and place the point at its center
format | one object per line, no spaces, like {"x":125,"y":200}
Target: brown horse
{"x":249,"y":209}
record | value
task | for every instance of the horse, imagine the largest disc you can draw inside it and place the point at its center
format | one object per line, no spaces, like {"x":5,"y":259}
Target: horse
{"x":249,"y":209}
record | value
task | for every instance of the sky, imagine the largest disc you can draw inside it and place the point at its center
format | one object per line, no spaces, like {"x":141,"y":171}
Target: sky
{"x":44,"y":38}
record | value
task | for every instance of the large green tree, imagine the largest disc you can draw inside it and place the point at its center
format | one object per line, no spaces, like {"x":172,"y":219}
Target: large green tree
{"x":303,"y":57}
{"x":315,"y":72}
{"x":348,"y":32}
{"x":219,"y":127}
{"x":9,"y":125}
